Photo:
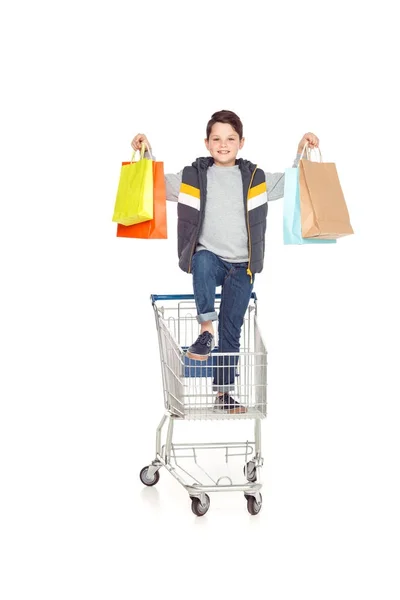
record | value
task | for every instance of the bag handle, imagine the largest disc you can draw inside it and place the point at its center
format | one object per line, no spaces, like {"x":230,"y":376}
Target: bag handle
{"x":306,"y":147}
{"x":142,"y":151}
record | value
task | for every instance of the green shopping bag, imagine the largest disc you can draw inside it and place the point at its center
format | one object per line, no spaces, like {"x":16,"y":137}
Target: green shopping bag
{"x":134,"y":202}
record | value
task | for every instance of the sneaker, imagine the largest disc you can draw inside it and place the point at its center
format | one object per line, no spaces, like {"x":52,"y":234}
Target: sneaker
{"x":202,"y":347}
{"x":227,"y":404}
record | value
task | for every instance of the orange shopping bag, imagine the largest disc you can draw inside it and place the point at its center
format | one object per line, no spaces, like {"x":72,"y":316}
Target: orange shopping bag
{"x":156,"y":228}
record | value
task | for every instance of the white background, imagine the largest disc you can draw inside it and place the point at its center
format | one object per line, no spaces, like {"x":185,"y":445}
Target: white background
{"x":80,"y":379}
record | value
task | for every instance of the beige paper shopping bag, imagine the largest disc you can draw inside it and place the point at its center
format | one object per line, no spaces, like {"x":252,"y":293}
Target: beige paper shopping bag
{"x":323,"y":208}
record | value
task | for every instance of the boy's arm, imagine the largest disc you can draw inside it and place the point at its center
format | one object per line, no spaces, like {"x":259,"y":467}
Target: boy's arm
{"x":276,"y":181}
{"x":172,"y":182}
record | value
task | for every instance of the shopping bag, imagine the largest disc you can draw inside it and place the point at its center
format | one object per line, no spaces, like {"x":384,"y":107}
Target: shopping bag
{"x":323,"y":208}
{"x":291,"y":212}
{"x":156,"y":228}
{"x":134,"y":202}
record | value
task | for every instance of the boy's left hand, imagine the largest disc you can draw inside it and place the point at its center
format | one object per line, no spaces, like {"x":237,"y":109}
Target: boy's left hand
{"x":313,"y":142}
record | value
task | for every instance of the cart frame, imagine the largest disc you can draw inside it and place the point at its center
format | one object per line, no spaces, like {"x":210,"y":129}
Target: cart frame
{"x":186,"y":398}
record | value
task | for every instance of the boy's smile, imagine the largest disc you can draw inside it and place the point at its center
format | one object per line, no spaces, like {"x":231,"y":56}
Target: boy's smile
{"x":224,"y":144}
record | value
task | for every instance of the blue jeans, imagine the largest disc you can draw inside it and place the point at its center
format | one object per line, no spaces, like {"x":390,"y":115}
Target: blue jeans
{"x":210,"y":271}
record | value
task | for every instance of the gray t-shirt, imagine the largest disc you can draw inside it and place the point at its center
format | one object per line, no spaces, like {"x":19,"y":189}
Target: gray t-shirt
{"x":224,"y":229}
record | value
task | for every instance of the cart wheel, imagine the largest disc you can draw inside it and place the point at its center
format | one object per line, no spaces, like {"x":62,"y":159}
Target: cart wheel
{"x":253,"y":506}
{"x":250,"y":471}
{"x":149,"y":481}
{"x":198,"y":508}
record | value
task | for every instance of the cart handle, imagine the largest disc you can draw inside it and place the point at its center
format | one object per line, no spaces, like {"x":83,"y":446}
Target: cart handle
{"x":155,"y":297}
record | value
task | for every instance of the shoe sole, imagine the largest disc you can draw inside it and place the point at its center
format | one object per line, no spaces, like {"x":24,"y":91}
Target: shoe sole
{"x":197,"y":356}
{"x":232,"y":411}
{"x":237,"y":411}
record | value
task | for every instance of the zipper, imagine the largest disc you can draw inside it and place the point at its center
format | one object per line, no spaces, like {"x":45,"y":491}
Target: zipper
{"x":248,"y":226}
{"x":199,"y":227}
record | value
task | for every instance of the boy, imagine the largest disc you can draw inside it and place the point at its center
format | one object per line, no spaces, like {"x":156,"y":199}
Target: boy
{"x":222,"y":211}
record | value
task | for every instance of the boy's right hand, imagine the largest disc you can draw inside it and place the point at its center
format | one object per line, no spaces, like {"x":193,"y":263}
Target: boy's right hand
{"x":138,"y":140}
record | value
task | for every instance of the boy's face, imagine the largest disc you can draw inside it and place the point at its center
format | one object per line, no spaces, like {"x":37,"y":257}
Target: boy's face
{"x":224,"y":144}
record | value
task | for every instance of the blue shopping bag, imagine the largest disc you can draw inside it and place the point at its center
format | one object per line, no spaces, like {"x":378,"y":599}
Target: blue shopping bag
{"x":291,"y":212}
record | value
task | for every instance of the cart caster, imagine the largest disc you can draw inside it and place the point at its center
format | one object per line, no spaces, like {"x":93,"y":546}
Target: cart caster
{"x":253,"y":506}
{"x":198,"y":508}
{"x":149,"y":480}
{"x":250,"y":471}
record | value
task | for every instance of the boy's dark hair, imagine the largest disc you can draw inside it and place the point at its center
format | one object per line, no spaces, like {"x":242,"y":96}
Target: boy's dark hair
{"x":226,"y":116}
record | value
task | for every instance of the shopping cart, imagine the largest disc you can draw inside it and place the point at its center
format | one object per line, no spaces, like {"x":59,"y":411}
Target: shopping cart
{"x":189,"y":395}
